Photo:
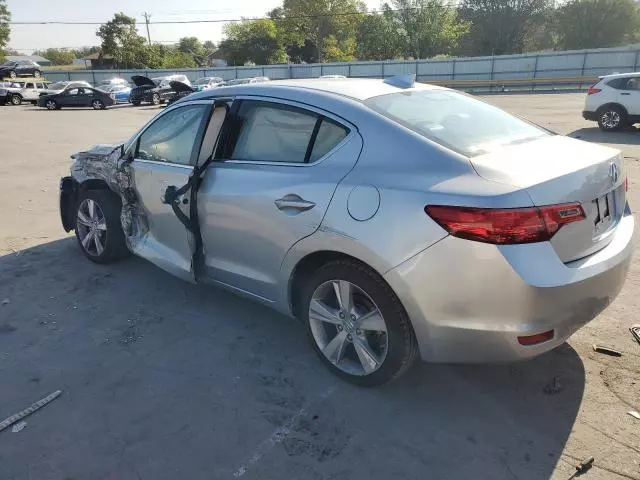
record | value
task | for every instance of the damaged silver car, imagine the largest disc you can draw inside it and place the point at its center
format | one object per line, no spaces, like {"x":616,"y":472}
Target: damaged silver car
{"x":394,"y":219}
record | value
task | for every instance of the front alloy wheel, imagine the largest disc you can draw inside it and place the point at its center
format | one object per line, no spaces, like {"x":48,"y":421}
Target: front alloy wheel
{"x":92,"y":227}
{"x":51,"y":105}
{"x":155,"y":99}
{"x":12,"y":74}
{"x":97,"y":105}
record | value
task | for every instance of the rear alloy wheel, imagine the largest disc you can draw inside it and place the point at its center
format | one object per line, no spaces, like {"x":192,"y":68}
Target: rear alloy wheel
{"x":155,"y":100}
{"x":612,"y":118}
{"x":12,"y":74}
{"x":98,"y":105}
{"x":16,"y":99}
{"x":98,"y":227}
{"x":357,"y":325}
{"x":37,"y":74}
{"x":51,"y":105}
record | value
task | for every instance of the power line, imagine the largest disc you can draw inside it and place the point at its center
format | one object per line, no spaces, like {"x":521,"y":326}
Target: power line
{"x":241,"y":19}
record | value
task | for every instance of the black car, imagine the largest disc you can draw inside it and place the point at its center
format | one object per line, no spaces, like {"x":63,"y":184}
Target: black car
{"x":20,"y":68}
{"x":180,"y":90}
{"x":77,"y":97}
{"x":154,"y":90}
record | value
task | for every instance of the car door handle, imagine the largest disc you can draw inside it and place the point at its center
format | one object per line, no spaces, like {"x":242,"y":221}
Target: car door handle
{"x":623,"y":93}
{"x":294,"y":202}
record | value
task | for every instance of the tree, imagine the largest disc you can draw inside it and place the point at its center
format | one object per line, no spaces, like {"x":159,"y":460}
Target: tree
{"x":120,"y":38}
{"x":252,"y":41}
{"x":596,"y":23}
{"x":500,"y":27}
{"x":428,"y":27}
{"x":317,"y":21}
{"x":176,"y":58}
{"x":57,"y":56}
{"x":5,"y":28}
{"x":377,"y":37}
{"x":85,"y":51}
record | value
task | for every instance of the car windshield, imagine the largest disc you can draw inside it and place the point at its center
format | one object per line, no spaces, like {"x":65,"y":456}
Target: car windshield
{"x":57,"y":86}
{"x":455,"y":120}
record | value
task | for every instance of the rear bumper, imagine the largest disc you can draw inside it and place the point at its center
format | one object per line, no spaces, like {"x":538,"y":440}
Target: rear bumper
{"x":589,"y":115}
{"x":469,"y":301}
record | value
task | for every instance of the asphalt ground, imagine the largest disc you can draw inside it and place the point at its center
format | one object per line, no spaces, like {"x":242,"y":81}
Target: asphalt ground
{"x":165,"y":380}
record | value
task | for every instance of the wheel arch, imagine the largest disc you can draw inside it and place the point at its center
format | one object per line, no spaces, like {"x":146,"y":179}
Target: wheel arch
{"x":613,"y":104}
{"x":70,"y":189}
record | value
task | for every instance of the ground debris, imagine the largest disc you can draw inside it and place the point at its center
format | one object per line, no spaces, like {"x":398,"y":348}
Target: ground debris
{"x":28,"y":411}
{"x":634,"y":414}
{"x":635,"y":331}
{"x":606,"y":350}
{"x":583,"y":467}
{"x":553,"y":387}
{"x":18,"y":427}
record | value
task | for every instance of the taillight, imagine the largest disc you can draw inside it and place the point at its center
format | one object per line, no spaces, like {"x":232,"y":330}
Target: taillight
{"x":592,"y":90}
{"x":507,"y":225}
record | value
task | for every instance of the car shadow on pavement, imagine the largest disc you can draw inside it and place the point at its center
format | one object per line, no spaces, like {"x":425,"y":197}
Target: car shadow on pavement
{"x":163,"y":379}
{"x":594,"y":134}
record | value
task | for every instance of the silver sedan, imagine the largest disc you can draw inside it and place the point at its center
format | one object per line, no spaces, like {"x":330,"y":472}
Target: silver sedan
{"x":394,"y":219}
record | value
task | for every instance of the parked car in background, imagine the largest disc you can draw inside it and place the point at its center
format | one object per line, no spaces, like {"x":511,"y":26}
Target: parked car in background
{"x":395,"y":219}
{"x":121,"y":93}
{"x":614,"y":101}
{"x":77,"y":97}
{"x":25,"y":92}
{"x":111,"y":82}
{"x":9,"y":91}
{"x":20,"y":68}
{"x":58,"y":87}
{"x":333,"y":76}
{"x":243,"y":81}
{"x":206,"y":83}
{"x":180,"y":90}
{"x":154,"y":90}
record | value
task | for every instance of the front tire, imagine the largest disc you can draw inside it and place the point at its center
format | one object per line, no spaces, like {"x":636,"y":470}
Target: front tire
{"x":37,"y":74}
{"x":51,"y":105}
{"x":356,"y":324}
{"x":98,"y":228}
{"x":155,"y":99}
{"x":135,"y":103}
{"x":612,"y":118}
{"x":13,"y":74}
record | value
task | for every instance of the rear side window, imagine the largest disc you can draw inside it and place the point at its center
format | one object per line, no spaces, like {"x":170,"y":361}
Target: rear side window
{"x":272,"y":132}
{"x":454,"y":120}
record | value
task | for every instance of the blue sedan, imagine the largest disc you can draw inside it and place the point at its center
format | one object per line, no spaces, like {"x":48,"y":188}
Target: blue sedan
{"x":120,"y":92}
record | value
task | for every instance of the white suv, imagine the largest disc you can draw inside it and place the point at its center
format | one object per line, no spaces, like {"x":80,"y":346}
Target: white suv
{"x":614,"y":101}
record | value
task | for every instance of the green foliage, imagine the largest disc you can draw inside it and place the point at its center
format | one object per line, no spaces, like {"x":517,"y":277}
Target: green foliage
{"x":428,"y":27}
{"x":500,"y":27}
{"x":5,"y":28}
{"x":120,"y":38}
{"x":597,"y":23}
{"x":377,"y":37}
{"x":57,"y":56}
{"x":175,"y":58}
{"x":254,"y":41}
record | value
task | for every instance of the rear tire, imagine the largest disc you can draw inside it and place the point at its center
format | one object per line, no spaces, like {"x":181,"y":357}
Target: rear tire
{"x":37,"y":74}
{"x":98,"y":105}
{"x":98,"y":228}
{"x":16,"y":100}
{"x":13,"y":74}
{"x":155,"y":99}
{"x":390,"y":339}
{"x":135,"y":103}
{"x":612,"y":118}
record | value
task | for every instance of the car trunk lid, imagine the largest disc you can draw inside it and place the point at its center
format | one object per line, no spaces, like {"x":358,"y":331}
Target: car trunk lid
{"x":142,"y":81}
{"x":557,"y":169}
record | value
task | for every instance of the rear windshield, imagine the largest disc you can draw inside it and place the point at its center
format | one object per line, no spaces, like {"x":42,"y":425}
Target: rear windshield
{"x":454,"y":120}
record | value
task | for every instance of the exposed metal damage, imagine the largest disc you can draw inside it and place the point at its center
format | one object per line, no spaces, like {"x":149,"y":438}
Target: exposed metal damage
{"x":107,"y":163}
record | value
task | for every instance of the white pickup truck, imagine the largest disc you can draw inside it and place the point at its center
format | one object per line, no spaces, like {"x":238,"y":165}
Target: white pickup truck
{"x":18,"y":92}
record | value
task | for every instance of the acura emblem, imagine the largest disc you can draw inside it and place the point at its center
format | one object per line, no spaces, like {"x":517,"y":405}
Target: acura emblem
{"x":614,"y":173}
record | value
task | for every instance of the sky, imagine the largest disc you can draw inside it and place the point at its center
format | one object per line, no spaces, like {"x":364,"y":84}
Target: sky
{"x":26,"y":38}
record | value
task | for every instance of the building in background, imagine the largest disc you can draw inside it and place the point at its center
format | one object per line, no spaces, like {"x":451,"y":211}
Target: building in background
{"x":98,"y":61}
{"x":43,"y":62}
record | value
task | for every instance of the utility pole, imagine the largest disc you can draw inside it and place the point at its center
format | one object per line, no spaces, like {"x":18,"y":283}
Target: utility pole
{"x":147,"y":17}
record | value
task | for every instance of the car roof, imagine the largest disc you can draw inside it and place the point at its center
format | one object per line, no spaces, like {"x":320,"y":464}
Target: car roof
{"x":355,"y":88}
{"x":620,"y":75}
